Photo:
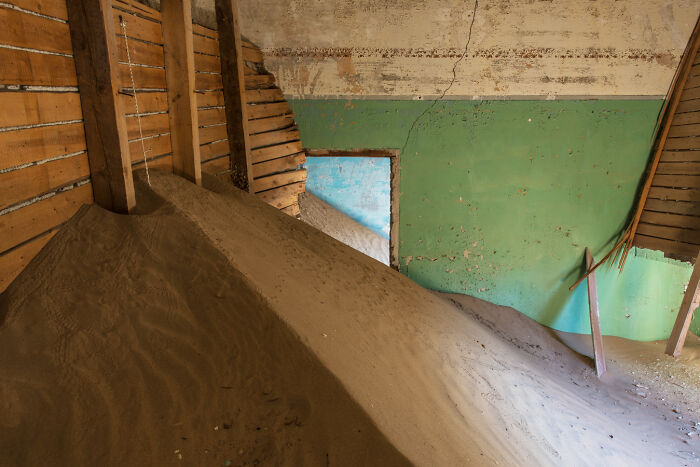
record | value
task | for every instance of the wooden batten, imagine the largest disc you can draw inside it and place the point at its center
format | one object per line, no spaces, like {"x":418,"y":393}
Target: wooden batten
{"x":95,"y":52}
{"x":234,"y":85}
{"x":180,"y":79}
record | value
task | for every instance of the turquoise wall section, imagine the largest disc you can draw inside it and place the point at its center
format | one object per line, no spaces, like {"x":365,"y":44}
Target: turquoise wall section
{"x":359,"y":187}
{"x":499,"y":199}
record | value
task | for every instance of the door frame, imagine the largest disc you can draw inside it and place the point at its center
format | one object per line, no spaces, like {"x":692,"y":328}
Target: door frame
{"x":394,"y":187}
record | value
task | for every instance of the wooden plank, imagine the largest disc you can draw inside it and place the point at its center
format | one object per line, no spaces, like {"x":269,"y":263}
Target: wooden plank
{"x":204,"y":81}
{"x":35,"y":69}
{"x":144,"y":77}
{"x":24,"y":184}
{"x":678,"y":181}
{"x":669,"y":219}
{"x":137,"y":28}
{"x":95,"y":49}
{"x":135,"y":6}
{"x":55,"y":9}
{"x":596,"y":334}
{"x":34,"y":32}
{"x":273,"y":152}
{"x":13,"y":262}
{"x":277,"y":180}
{"x":151,"y":125}
{"x":212,"y":133}
{"x":670,"y":233}
{"x":164,"y":164}
{"x":675,"y":343}
{"x":155,"y":147}
{"x":259,"y":81}
{"x":212,"y":116}
{"x":667,"y":246}
{"x":674,"y":194}
{"x":680,"y":156}
{"x":262,"y":125}
{"x":274,"y":137}
{"x":205,"y":45}
{"x":30,"y":145}
{"x":252,"y":55}
{"x":215,"y":149}
{"x":278,"y":165}
{"x":205,"y":31}
{"x":31,"y":108}
{"x":234,"y":84}
{"x":182,"y":103}
{"x":207,"y":63}
{"x":686,"y":118}
{"x":676,"y":207}
{"x":689,"y":142}
{"x":678,"y":168}
{"x":292,"y":210}
{"x":689,"y":94}
{"x":210,"y":99}
{"x":693,"y":79}
{"x":143,"y":53}
{"x":156,"y":101}
{"x":268,"y":110}
{"x":678,"y":130}
{"x":258,"y":96}
{"x":283,"y":196}
{"x":216,"y":166}
{"x":688,"y":106}
{"x":30,"y":221}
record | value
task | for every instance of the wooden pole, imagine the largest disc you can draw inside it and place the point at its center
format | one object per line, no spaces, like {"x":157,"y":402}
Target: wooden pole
{"x":675,"y":343}
{"x":95,"y":51}
{"x":596,"y":334}
{"x":232,"y":73}
{"x":179,"y":74}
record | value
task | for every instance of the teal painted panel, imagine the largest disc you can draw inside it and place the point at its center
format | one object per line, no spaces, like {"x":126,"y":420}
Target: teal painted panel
{"x":359,"y":187}
{"x":500,"y":198}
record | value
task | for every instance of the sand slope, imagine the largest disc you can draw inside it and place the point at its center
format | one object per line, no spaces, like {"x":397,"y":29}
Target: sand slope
{"x":132,"y":337}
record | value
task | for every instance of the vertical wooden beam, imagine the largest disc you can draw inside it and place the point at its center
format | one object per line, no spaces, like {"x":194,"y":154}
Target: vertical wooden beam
{"x":179,"y":74}
{"x":232,"y":73}
{"x":596,"y":334}
{"x":675,"y":343}
{"x":95,"y":51}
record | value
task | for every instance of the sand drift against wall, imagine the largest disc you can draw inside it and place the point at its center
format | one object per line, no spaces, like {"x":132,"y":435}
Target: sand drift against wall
{"x":210,"y":327}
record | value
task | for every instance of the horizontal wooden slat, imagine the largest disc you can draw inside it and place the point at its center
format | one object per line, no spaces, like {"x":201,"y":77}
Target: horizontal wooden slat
{"x":53,"y":8}
{"x":677,"y":181}
{"x":694,"y":70}
{"x":152,"y":101}
{"x":292,"y":210}
{"x":283,"y":196}
{"x":204,"y":31}
{"x":210,"y":99}
{"x":144,"y":77}
{"x":684,"y":130}
{"x":212,"y":133}
{"x":24,"y":184}
{"x":274,"y":137}
{"x":207,"y":63}
{"x":217,"y":165}
{"x":30,"y":221}
{"x":677,"y":207}
{"x":671,"y":220}
{"x":154,"y":147}
{"x":259,"y":81}
{"x":211,"y":116}
{"x":205,"y":45}
{"x":252,"y":55}
{"x":674,"y":194}
{"x":670,"y":233}
{"x":150,"y":125}
{"x":693,"y":81}
{"x":680,"y":156}
{"x":21,"y":29}
{"x":30,"y":145}
{"x":267,"y":110}
{"x":13,"y":262}
{"x":255,"y":96}
{"x":278,"y":165}
{"x":686,"y":118}
{"x":678,"y":168}
{"x":269,"y":124}
{"x":278,"y":180}
{"x":160,"y":163}
{"x":134,"y":6}
{"x":690,"y":142}
{"x":273,"y":152}
{"x":689,"y":94}
{"x":667,"y":246}
{"x":211,"y":150}
{"x":35,"y":69}
{"x":140,"y":52}
{"x":138,"y":28}
{"x":30,"y":108}
{"x":688,"y":106}
{"x":207,"y":81}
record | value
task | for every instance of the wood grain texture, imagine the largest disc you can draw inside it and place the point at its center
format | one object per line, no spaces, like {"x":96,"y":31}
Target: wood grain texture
{"x":670,"y":219}
{"x":215,"y":149}
{"x":675,"y":343}
{"x":36,"y":69}
{"x":258,"y":96}
{"x":262,"y":125}
{"x":277,"y":180}
{"x":21,"y":29}
{"x":274,"y":137}
{"x":278,"y":165}
{"x":155,"y":147}
{"x":32,"y":108}
{"x":273,"y":152}
{"x":667,"y":246}
{"x":594,"y":314}
{"x":14,"y":261}
{"x":212,"y":133}
{"x":30,"y":145}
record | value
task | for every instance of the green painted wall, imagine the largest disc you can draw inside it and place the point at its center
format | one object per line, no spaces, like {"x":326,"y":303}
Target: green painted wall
{"x":499,"y":199}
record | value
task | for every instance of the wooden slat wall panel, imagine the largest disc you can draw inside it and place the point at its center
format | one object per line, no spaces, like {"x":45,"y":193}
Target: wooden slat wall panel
{"x":14,"y":261}
{"x":33,"y":108}
{"x":36,"y":69}
{"x":24,"y":30}
{"x":30,"y":145}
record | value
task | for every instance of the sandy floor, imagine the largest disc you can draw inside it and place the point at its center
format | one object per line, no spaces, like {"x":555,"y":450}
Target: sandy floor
{"x":325,"y":218}
{"x":213,"y":328}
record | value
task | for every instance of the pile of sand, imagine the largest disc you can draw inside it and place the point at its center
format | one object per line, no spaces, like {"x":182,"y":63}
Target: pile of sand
{"x":329,"y":220}
{"x":212,"y":329}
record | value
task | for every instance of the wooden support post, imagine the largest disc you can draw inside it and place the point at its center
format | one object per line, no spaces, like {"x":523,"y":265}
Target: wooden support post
{"x":182,"y":102}
{"x":596,"y":334}
{"x":675,"y":343}
{"x":232,"y":73}
{"x":95,"y":51}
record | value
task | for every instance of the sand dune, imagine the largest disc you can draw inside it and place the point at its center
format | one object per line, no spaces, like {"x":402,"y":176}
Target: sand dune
{"x":212,"y":328}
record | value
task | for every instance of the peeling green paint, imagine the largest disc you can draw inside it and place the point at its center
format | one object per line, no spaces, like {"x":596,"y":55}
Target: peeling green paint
{"x":500,"y":198}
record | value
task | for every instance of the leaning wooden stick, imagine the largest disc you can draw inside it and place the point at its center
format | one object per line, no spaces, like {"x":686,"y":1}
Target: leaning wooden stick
{"x":674,"y":346}
{"x":596,"y":334}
